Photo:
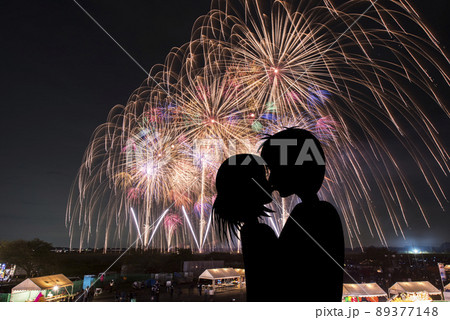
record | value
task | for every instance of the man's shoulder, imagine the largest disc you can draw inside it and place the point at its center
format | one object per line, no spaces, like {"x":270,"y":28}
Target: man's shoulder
{"x":321,"y":211}
{"x":323,"y":206}
{"x":318,"y":220}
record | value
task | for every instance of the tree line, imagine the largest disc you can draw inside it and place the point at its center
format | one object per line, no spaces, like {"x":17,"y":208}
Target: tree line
{"x":33,"y":256}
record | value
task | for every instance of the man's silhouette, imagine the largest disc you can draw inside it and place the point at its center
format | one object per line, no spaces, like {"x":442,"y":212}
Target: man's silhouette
{"x":297,"y":166}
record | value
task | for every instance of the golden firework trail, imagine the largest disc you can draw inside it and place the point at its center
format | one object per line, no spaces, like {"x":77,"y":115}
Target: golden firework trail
{"x":362,"y":76}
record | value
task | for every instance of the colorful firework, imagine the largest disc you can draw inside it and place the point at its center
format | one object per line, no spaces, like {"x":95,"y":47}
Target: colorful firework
{"x":350,"y":73}
{"x":171,"y":223}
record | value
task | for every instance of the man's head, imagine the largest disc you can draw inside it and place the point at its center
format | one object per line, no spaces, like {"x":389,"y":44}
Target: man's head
{"x":296,"y":162}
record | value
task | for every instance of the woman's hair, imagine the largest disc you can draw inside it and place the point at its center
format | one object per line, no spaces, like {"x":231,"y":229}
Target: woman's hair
{"x":239,"y":182}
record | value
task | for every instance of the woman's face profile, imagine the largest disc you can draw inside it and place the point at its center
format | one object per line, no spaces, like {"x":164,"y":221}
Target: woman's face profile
{"x":279,"y":181}
{"x":260,"y":190}
{"x":244,"y":183}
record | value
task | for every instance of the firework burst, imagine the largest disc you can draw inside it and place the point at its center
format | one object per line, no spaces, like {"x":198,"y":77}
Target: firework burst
{"x":354,"y":74}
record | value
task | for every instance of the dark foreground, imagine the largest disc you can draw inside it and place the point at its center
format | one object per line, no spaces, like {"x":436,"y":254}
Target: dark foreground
{"x":182,"y":293}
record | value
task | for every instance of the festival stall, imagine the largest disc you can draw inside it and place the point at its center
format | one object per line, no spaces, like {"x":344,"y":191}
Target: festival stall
{"x":7,"y":272}
{"x":48,"y":288}
{"x":413,"y":291}
{"x":363,"y":292}
{"x":447,"y":292}
{"x":222,"y":278}
{"x":242,"y":274}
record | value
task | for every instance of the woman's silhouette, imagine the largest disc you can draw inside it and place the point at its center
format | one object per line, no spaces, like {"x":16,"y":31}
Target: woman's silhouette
{"x":242,"y":192}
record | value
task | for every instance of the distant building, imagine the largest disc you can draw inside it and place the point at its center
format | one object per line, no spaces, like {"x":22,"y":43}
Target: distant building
{"x":445,"y":247}
{"x":197,"y":267}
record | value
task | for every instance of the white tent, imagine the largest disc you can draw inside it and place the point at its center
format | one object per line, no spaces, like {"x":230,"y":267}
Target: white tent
{"x":413,"y":287}
{"x":31,"y":288}
{"x":43,"y":283}
{"x":447,"y":292}
{"x":363,"y":290}
{"x":220,"y":274}
{"x":241,"y":272}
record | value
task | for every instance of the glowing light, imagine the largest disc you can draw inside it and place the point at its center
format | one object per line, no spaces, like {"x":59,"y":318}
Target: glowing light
{"x":190,"y":227}
{"x":272,"y":222}
{"x":136,"y":222}
{"x":206,"y":232}
{"x":157,"y":225}
{"x":149,"y":169}
{"x":171,"y":223}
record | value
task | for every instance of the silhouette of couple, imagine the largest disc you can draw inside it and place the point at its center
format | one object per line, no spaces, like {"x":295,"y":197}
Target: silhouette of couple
{"x":305,"y":262}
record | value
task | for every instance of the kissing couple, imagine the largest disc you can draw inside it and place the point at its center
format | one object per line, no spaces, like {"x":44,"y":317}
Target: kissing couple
{"x":305,"y":263}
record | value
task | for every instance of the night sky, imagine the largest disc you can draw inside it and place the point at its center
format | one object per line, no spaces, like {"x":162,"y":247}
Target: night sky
{"x":60,"y":76}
